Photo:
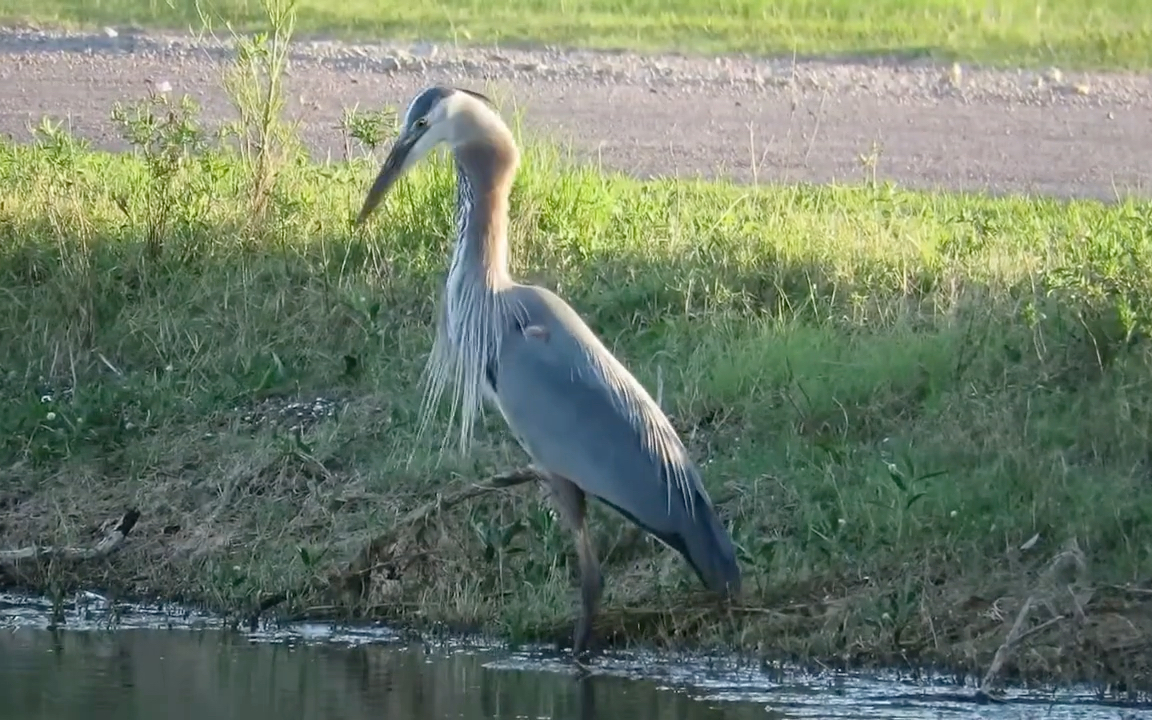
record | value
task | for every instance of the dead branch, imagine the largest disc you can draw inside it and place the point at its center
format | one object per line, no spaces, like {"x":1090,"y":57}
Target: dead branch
{"x":1065,"y":570}
{"x":110,"y":543}
{"x":1016,"y":636}
{"x":366,"y":561}
{"x":1131,"y":590}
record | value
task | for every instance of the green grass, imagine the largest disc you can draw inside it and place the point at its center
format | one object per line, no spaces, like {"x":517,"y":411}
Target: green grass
{"x":889,"y":392}
{"x":1069,"y":33}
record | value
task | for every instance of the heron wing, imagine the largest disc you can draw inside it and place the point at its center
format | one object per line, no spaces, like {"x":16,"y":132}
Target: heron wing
{"x":580,"y":414}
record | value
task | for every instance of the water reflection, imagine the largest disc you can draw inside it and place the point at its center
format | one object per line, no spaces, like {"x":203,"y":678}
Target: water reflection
{"x":212,"y":674}
{"x":160,"y":665}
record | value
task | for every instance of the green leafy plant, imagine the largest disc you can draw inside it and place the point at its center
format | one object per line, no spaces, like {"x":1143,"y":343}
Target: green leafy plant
{"x":369,"y":128}
{"x":166,"y":133}
{"x":254,"y":82}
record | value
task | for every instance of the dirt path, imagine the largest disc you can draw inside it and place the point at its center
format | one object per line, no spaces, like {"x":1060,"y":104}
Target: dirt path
{"x":1064,"y":135}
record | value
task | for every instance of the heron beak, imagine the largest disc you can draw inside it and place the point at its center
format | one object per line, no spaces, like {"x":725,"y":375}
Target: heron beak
{"x":390,"y":172}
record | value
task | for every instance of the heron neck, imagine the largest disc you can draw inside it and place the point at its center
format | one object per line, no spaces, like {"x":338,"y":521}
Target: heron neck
{"x":484,"y":181}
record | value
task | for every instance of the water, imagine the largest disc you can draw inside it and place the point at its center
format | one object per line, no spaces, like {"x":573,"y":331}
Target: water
{"x":160,"y":663}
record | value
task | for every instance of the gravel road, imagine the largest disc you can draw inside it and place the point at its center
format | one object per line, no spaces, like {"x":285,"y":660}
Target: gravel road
{"x":925,"y":125}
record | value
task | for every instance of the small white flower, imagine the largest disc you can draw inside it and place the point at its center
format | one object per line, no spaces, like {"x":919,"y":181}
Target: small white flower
{"x":51,"y":416}
{"x":952,"y":514}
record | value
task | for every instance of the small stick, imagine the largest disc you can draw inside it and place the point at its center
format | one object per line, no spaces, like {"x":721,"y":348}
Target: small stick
{"x":1005,"y":648}
{"x":1016,"y":636}
{"x":108,"y":545}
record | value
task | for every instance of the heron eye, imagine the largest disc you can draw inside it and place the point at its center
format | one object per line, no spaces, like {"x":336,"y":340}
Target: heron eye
{"x":422,"y":122}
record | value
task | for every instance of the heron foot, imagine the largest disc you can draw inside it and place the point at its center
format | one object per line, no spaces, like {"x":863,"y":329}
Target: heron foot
{"x":581,"y":665}
{"x":582,"y":641}
{"x":592,"y":584}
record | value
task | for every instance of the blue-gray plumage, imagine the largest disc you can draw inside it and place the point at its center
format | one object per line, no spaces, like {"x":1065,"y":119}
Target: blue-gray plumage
{"x":588,"y":425}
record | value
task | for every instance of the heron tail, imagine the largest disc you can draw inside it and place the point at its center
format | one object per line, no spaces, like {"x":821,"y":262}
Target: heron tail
{"x":702,"y":541}
{"x":708,"y":548}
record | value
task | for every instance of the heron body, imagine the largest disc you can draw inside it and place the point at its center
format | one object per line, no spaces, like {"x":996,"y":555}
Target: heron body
{"x":588,"y":425}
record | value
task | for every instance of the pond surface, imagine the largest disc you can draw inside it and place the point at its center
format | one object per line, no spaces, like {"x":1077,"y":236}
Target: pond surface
{"x":159,"y":663}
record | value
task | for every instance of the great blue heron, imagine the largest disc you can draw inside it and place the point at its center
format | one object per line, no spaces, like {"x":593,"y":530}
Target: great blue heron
{"x":589,"y":427}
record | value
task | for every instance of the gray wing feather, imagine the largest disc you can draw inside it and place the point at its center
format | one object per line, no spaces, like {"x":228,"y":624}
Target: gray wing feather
{"x":581,"y":415}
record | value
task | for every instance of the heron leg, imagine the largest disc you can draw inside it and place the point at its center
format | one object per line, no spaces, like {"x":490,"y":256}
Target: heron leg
{"x":571,"y":503}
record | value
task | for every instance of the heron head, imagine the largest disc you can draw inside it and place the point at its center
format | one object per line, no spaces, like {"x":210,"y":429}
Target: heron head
{"x":437,"y":115}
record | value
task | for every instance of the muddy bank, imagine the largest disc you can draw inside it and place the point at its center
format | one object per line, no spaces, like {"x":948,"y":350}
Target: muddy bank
{"x":1046,"y":627}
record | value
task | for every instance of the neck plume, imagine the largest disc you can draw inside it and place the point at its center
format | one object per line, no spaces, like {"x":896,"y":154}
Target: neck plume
{"x":473,"y":313}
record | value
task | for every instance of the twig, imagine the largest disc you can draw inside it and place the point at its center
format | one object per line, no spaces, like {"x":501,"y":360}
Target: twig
{"x":364,"y":563}
{"x":1009,"y":645}
{"x":108,"y":364}
{"x":1039,"y":628}
{"x":1063,"y":572}
{"x":108,"y":545}
{"x":441,"y":503}
{"x":1006,"y":648}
